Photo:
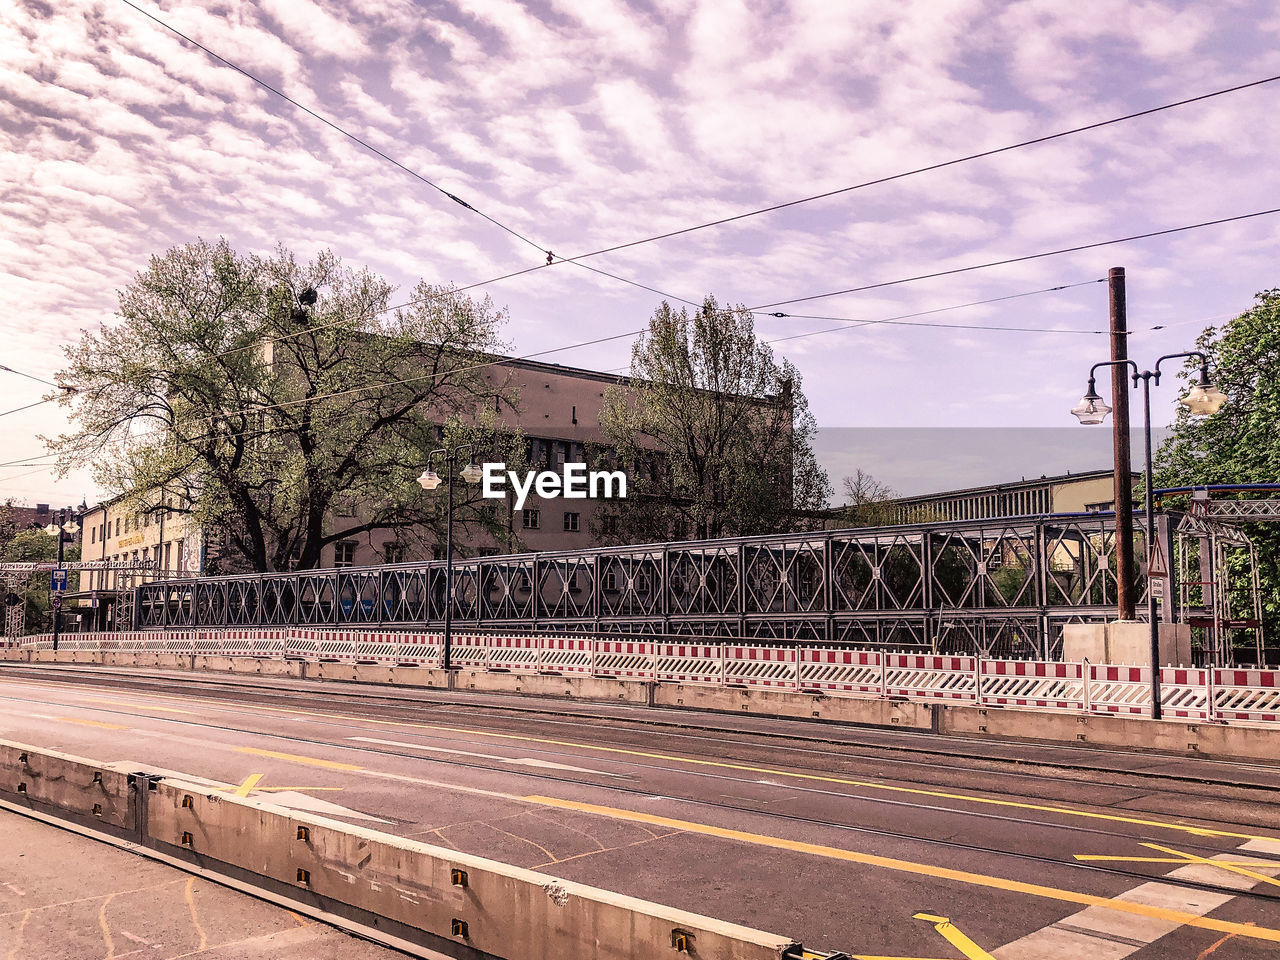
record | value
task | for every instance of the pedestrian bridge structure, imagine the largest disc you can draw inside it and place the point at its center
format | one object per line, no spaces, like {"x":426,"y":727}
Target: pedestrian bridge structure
{"x":993,"y":587}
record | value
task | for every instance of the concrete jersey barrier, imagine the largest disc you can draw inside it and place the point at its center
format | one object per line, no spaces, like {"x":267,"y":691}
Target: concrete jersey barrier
{"x":458,"y":904}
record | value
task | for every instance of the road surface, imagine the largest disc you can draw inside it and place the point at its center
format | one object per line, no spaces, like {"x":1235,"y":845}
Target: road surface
{"x":845,"y":838}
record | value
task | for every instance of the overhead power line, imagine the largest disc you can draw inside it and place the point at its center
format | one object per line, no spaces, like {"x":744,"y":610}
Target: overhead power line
{"x":1023,"y":259}
{"x":30,"y":376}
{"x":550,"y":256}
{"x":955,"y":161}
{"x":27,"y":407}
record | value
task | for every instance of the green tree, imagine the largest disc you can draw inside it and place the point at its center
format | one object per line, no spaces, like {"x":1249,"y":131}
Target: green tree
{"x":868,"y":502}
{"x":283,"y":405}
{"x":717,"y":434}
{"x":1240,"y":443}
{"x":36,"y":546}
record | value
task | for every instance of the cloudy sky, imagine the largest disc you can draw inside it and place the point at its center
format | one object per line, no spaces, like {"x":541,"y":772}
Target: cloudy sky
{"x":583,"y":125}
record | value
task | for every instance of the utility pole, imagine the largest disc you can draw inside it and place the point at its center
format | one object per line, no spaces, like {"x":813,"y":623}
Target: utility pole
{"x":1125,"y":592}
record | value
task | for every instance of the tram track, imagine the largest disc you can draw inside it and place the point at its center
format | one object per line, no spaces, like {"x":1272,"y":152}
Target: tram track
{"x":772,"y":815}
{"x":1267,"y":795}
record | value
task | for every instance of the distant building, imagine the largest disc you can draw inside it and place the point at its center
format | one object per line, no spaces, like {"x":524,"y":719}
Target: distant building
{"x":14,"y":519}
{"x":1089,"y":492}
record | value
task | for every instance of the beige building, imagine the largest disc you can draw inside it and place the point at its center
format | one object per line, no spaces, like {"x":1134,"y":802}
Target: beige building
{"x":1089,"y":492}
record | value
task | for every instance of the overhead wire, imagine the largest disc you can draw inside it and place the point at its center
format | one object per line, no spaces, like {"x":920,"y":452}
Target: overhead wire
{"x":551,"y":257}
{"x":31,"y":376}
{"x":28,"y":406}
{"x":1022,"y":259}
{"x":955,"y":161}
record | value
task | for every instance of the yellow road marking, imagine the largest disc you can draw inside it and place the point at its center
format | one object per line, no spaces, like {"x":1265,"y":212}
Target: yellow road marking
{"x":138,"y":706}
{"x":250,"y":782}
{"x":1225,"y":865}
{"x":295,"y":758}
{"x":106,"y":928}
{"x":953,"y":936}
{"x":91,"y":723}
{"x":922,"y":869}
{"x":283,"y":789}
{"x":746,"y":768}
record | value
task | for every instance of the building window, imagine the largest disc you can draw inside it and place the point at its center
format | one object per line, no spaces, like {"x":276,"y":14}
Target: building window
{"x":93,"y":535}
{"x":344,"y":553}
{"x":609,"y":523}
{"x":529,"y":519}
{"x":117,"y":526}
{"x":393,"y":552}
{"x":573,"y":522}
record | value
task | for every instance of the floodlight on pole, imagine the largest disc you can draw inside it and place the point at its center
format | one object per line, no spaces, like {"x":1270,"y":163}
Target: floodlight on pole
{"x":1091,"y":409}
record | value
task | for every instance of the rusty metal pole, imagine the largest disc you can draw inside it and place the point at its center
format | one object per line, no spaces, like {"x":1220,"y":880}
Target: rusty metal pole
{"x":1125,"y":592}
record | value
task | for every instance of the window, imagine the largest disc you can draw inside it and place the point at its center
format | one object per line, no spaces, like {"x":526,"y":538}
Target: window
{"x":572,"y":522}
{"x":393,"y":552}
{"x":344,"y":553}
{"x":93,"y":535}
{"x":529,"y":519}
{"x":609,"y":523}
{"x":168,"y":557}
{"x":117,"y":526}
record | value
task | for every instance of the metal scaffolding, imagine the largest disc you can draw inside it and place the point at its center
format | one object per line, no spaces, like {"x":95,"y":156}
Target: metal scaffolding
{"x":993,"y":587}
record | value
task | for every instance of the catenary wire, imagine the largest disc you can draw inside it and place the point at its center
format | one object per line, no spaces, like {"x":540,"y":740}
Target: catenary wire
{"x":919,"y":170}
{"x":31,"y":377}
{"x":1022,"y":259}
{"x":27,"y":407}
{"x":551,"y":257}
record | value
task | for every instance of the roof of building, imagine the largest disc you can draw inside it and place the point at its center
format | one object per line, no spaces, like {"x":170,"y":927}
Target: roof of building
{"x":1023,"y":484}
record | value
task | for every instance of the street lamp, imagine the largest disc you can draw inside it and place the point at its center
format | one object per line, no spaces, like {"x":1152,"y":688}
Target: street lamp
{"x":449,"y":460}
{"x":57,"y":528}
{"x":1203,"y":399}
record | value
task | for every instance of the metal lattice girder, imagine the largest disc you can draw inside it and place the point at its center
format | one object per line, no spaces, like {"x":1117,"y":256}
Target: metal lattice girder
{"x":1012,"y":581}
{"x":1244,"y":509}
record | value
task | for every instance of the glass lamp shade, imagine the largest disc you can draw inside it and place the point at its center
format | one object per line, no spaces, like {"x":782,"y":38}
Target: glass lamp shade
{"x":471,"y":473}
{"x":1204,"y":399}
{"x":53,"y":529}
{"x":1090,"y":410}
{"x":71,"y":527}
{"x":429,"y":479}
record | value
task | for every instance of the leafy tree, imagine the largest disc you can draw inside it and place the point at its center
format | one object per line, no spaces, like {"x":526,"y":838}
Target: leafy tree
{"x":283,"y":405}
{"x":36,"y":546}
{"x":717,"y":434}
{"x":1240,"y":443}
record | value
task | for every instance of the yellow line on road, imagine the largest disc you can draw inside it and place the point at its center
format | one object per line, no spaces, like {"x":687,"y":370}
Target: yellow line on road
{"x":954,"y":936}
{"x":295,"y":758}
{"x":91,"y":723}
{"x":138,"y":706}
{"x":250,"y":782}
{"x":1224,"y":864}
{"x":921,"y":869}
{"x":726,"y":765}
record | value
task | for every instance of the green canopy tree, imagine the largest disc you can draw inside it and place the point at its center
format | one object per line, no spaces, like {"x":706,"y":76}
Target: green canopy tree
{"x":1240,"y":443}
{"x":717,"y":434}
{"x":283,"y":405}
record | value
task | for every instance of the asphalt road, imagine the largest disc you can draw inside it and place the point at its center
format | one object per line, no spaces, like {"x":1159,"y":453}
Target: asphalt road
{"x":844,"y":838}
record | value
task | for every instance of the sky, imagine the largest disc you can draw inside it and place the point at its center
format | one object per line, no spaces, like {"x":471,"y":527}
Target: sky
{"x":584,"y":125}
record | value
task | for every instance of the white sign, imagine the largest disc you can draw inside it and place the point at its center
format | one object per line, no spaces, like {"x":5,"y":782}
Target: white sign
{"x":575,"y":483}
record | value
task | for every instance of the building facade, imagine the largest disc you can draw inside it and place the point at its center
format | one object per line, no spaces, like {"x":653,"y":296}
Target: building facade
{"x":1089,"y":492}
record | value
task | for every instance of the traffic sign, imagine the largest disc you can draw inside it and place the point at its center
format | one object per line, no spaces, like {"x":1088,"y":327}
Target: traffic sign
{"x":58,"y":579}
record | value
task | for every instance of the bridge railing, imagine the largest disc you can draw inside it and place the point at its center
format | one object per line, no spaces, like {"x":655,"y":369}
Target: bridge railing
{"x":1211,"y":695}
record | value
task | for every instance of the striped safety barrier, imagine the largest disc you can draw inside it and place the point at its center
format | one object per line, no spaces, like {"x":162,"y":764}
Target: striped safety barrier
{"x":1191,"y":693}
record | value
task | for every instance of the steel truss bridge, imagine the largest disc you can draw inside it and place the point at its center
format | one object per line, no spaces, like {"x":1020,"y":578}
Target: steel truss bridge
{"x":992,"y":587}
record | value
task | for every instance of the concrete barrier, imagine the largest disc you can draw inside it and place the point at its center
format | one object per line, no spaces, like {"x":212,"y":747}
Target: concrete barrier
{"x":1236,"y":741}
{"x":454,"y":903}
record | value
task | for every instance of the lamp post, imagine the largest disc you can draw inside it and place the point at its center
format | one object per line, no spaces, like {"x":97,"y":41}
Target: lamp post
{"x":1203,"y":399}
{"x":429,"y":480}
{"x":57,"y":529}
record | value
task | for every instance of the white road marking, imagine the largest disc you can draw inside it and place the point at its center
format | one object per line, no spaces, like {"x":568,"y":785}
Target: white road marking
{"x":1102,"y":934}
{"x":515,"y":761}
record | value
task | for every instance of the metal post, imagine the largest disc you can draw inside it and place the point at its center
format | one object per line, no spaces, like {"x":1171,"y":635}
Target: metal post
{"x":1126,"y":594}
{"x":1151,"y":530}
{"x":448,"y":565}
{"x":55,"y":601}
